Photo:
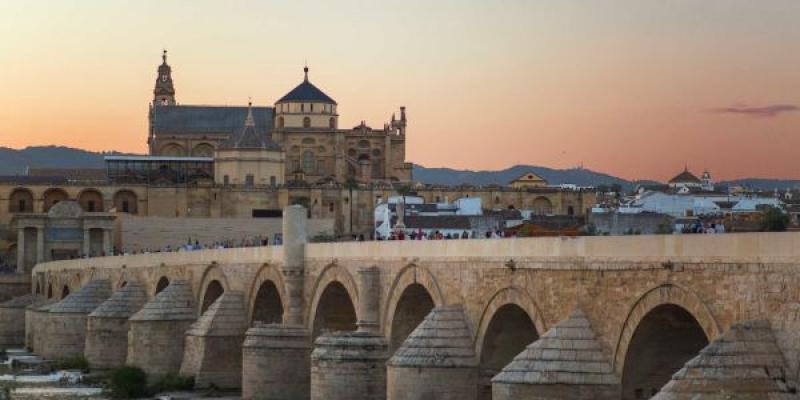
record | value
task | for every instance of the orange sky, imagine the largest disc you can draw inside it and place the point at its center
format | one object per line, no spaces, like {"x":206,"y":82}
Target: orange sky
{"x":635,"y":88}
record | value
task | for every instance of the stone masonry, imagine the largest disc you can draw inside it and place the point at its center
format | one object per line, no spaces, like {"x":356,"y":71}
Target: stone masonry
{"x":107,"y":326}
{"x":65,"y":322}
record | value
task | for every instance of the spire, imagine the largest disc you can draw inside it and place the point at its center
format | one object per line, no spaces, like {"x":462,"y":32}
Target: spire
{"x":249,"y":121}
{"x":164,"y":91}
{"x":305,"y":70}
{"x":164,"y":56}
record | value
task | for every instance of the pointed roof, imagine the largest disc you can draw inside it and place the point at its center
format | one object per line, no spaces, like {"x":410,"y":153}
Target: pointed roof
{"x":306,"y":91}
{"x":225,"y":317}
{"x":569,"y":353}
{"x":745,"y":363}
{"x":442,"y":340}
{"x":85,"y":299}
{"x":123,"y":303}
{"x":249,"y":137}
{"x":173,"y":303}
{"x":685,"y":177}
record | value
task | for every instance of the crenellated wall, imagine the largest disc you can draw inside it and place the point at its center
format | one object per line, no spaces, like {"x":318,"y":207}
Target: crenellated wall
{"x":512,"y":292}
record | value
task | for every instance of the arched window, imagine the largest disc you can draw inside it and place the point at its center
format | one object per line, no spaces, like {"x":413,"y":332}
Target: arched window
{"x":306,"y":122}
{"x":280,"y":122}
{"x":332,"y":123}
{"x":302,"y":107}
{"x":308,"y":162}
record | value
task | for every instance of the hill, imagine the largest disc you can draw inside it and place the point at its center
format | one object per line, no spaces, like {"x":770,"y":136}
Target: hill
{"x":575,"y":176}
{"x":14,"y":162}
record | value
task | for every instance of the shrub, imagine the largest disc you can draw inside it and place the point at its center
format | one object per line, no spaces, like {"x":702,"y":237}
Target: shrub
{"x":79,"y":363}
{"x":172,"y":381}
{"x":128,"y":382}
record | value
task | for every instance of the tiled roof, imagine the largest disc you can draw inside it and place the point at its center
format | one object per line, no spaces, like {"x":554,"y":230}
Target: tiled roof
{"x":188,"y":119}
{"x":123,"y":303}
{"x":249,"y":138}
{"x":225,"y":317}
{"x":85,"y":299}
{"x":306,"y":91}
{"x":437,"y":222}
{"x":744,"y":363}
{"x":569,"y":353}
{"x":685,"y":177}
{"x":441,"y":340}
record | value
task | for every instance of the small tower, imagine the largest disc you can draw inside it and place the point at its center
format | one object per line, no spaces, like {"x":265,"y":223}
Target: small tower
{"x":164,"y":92}
{"x":707,"y":183}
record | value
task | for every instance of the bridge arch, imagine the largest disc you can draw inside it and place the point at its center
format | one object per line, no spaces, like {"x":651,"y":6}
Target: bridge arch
{"x":266,"y":296}
{"x":334,"y":301}
{"x":212,"y":285}
{"x":413,"y":293}
{"x":510,"y":321}
{"x":666,"y":327}
{"x":162,"y":284}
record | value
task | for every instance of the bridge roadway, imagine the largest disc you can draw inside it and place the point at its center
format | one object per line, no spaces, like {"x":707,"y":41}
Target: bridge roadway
{"x":645,"y":305}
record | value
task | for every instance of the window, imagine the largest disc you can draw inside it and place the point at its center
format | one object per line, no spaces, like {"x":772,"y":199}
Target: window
{"x":312,"y":107}
{"x":295,"y":165}
{"x":125,"y":206}
{"x":570,"y":211}
{"x":272,"y":180}
{"x":226,"y":180}
{"x":330,"y":207}
{"x":306,"y":122}
{"x":308,"y":162}
{"x":249,"y":180}
{"x":90,"y":206}
{"x":302,"y":108}
{"x":21,"y":205}
{"x":321,"y":167}
{"x":332,"y":123}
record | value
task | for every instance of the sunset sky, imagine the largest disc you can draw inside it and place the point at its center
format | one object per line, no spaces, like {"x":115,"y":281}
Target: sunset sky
{"x":633,"y":88}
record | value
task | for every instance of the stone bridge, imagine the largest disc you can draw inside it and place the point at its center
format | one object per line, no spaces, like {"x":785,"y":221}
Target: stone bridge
{"x":539,"y":318}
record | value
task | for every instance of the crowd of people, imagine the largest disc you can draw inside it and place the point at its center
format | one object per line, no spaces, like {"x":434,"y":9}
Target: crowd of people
{"x":255,"y":241}
{"x":438,"y":235}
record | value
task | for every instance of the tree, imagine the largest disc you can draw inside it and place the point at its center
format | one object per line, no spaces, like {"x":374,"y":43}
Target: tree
{"x":773,"y":219}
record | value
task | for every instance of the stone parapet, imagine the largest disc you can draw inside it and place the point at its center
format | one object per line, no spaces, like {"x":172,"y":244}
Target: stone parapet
{"x":744,"y":363}
{"x":349,"y":365}
{"x":107,"y":327}
{"x":436,"y":361}
{"x":157,"y":332}
{"x":275,"y":363}
{"x":65,"y":322}
{"x":12,"y":313}
{"x":213,"y":353}
{"x":566,"y":363}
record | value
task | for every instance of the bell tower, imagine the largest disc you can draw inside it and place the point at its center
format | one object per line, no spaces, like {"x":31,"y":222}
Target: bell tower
{"x":164,"y":92}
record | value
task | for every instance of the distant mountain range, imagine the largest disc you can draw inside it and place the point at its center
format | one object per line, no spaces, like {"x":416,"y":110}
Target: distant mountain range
{"x":15,"y":162}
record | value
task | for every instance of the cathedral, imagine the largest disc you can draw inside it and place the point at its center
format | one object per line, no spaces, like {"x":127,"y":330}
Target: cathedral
{"x":296,"y":140}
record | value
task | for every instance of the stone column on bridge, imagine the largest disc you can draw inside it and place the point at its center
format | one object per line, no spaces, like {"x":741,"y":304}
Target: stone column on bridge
{"x":65,"y":323}
{"x":436,"y":361}
{"x":21,"y":249}
{"x":107,"y":327}
{"x":275,"y":357}
{"x":352,"y":365}
{"x":295,"y":237}
{"x":571,"y":348}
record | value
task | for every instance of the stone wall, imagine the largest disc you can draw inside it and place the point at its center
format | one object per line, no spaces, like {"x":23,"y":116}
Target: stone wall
{"x":645,"y":223}
{"x":156,"y":233}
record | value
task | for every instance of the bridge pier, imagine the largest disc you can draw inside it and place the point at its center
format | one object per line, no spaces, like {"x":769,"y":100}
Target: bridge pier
{"x":157,"y":332}
{"x":213,"y":352}
{"x":352,"y":365}
{"x":34,"y":326}
{"x":566,"y":363}
{"x":275,"y":362}
{"x":107,"y":327}
{"x":437,"y":361}
{"x":65,"y":323}
{"x":12,"y":332}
